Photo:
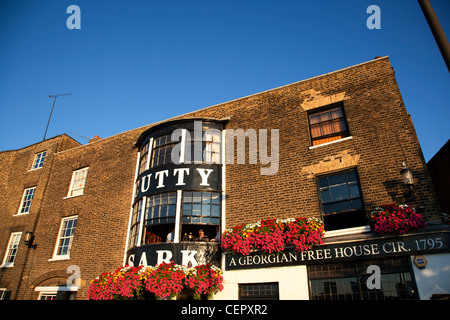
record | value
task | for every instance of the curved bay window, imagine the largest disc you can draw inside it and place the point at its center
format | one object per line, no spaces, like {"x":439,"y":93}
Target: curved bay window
{"x":160,"y":212}
{"x":200,"y":211}
{"x":179,"y":184}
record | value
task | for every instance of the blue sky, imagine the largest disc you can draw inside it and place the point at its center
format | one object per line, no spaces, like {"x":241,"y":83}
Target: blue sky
{"x":136,"y":62}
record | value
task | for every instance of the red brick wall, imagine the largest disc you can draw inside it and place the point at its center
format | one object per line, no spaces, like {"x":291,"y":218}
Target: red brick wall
{"x":382,"y":134}
{"x":15,"y":176}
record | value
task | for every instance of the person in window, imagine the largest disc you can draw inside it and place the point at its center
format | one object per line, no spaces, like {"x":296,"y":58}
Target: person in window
{"x":202,"y":236}
{"x":217,"y":237}
{"x":170,"y":236}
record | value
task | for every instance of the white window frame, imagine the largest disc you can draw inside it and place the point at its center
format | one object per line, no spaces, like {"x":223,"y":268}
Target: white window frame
{"x":66,"y":256}
{"x":23,"y":200}
{"x":38,"y":161}
{"x":53,"y":291}
{"x":73,"y":189}
{"x":13,"y":244}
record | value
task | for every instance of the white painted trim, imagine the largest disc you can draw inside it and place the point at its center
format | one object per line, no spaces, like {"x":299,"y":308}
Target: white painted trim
{"x":140,"y":233}
{"x":223,"y":197}
{"x":11,"y":264}
{"x":21,"y":202}
{"x":331,"y":142}
{"x":72,"y":181}
{"x":136,"y":171}
{"x":347,"y":231}
{"x":149,"y":154}
{"x":56,"y":257}
{"x":55,"y":289}
{"x":178,"y":217}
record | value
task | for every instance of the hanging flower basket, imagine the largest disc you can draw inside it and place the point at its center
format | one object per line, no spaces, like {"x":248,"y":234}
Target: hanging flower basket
{"x":273,"y":235}
{"x":395,"y":219}
{"x":165,"y":281}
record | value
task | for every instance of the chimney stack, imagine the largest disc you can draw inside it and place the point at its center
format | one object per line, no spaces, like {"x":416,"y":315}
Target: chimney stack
{"x":95,"y":138}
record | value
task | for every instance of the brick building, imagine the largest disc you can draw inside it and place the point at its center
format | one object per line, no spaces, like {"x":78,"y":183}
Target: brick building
{"x":330,"y":147}
{"x":440,"y":175}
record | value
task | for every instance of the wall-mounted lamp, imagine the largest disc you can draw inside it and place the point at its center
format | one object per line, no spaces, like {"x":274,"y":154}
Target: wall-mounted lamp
{"x":408,"y":180}
{"x":29,"y":237}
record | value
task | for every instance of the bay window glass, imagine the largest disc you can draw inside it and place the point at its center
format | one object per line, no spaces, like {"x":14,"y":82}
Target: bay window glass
{"x":160,"y":214}
{"x":204,"y":150}
{"x":143,"y":160}
{"x":135,"y":223}
{"x":169,"y":204}
{"x":162,"y":150}
{"x":200,"y":211}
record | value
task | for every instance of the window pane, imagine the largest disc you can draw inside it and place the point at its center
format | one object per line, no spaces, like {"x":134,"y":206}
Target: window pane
{"x":196,"y":209}
{"x":314,"y":119}
{"x":337,"y":179}
{"x":196,"y":197}
{"x":323,"y":182}
{"x":172,"y":211}
{"x":215,"y":211}
{"x":334,"y":193}
{"x":327,"y":208}
{"x":206,"y":197}
{"x":215,"y":198}
{"x":357,"y":204}
{"x":339,"y":126}
{"x":325,"y":116}
{"x":187,"y":208}
{"x":327,"y":128}
{"x":325,"y":196}
{"x":206,"y":210}
{"x":336,"y":207}
{"x":354,"y":191}
{"x":343,"y":192}
{"x":187,"y":196}
{"x":346,"y":205}
{"x":205,"y":220}
{"x":315,"y":131}
{"x":347,"y":281}
{"x":215,"y":221}
{"x":203,"y":204}
{"x":336,"y":113}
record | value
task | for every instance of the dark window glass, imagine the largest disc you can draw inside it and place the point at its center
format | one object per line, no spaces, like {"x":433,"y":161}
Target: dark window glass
{"x":348,"y":281}
{"x":162,"y":150}
{"x":160,"y":212}
{"x":340,"y":200}
{"x":259,"y":291}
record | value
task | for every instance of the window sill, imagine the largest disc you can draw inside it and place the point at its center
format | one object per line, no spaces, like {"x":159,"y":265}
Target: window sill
{"x":7,"y":265}
{"x":78,"y":195}
{"x":331,"y":142}
{"x":348,"y":231}
{"x":34,"y":169}
{"x":56,"y":289}
{"x":21,"y":214}
{"x":59,"y":258}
